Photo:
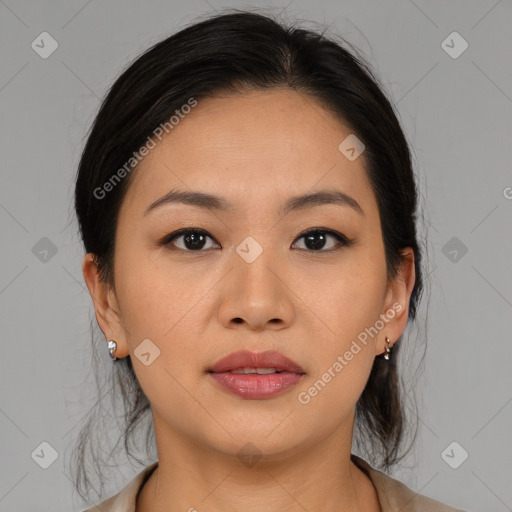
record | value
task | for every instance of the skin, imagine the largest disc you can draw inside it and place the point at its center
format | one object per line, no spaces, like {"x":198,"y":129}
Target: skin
{"x":307,"y":305}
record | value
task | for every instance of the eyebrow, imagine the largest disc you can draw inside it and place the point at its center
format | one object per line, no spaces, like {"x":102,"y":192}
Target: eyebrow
{"x":212,"y":202}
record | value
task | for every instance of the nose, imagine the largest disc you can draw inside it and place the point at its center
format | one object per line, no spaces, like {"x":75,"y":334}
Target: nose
{"x":257,"y":295}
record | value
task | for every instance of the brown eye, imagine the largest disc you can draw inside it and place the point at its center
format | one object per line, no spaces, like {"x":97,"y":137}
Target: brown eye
{"x":192,"y":239}
{"x":317,"y":239}
{"x":196,"y":240}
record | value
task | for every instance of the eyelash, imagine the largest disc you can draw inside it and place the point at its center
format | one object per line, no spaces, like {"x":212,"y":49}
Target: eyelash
{"x":342,"y":239}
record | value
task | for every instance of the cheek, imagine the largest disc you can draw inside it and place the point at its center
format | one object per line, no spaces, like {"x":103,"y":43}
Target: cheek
{"x":349,"y":297}
{"x":358,"y":302}
{"x":165,"y":305}
{"x":342,"y":357}
{"x":344,"y":350}
{"x":161,"y":307}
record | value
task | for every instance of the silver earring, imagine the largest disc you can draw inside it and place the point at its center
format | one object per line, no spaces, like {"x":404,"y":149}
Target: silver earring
{"x":387,"y":349}
{"x":112,"y":347}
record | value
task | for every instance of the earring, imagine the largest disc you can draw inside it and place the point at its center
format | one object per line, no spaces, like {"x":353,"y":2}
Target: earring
{"x":388,"y":349}
{"x":112,"y":347}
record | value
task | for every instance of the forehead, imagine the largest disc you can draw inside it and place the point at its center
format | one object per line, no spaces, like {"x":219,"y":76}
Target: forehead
{"x":261,"y":146}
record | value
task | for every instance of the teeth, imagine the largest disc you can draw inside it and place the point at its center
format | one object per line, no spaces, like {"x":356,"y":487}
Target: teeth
{"x":263,"y":371}
{"x":244,"y":370}
{"x":259,"y":371}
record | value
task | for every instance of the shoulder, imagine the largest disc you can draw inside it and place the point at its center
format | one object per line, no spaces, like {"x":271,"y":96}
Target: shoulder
{"x":394,"y":495}
{"x":126,"y":499}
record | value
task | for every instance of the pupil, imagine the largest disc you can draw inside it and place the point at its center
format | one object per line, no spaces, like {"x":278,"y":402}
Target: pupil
{"x":194,"y":240}
{"x":315,"y":240}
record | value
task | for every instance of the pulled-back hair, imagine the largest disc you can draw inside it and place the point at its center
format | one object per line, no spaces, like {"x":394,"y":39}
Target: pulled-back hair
{"x":234,"y":52}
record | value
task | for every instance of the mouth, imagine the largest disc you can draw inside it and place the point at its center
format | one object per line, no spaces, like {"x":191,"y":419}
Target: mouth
{"x":256,"y":376}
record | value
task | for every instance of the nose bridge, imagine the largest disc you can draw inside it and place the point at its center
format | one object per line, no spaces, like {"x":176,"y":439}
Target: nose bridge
{"x":253,"y":268}
{"x":256,"y":292}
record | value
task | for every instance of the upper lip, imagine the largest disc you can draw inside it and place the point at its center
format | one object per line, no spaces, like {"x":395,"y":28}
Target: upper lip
{"x":247,"y":359}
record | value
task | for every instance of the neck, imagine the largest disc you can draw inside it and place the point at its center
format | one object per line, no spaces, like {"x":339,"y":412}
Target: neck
{"x":321,"y":477}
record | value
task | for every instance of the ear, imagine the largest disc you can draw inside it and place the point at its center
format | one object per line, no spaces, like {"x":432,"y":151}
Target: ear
{"x":105,"y":305}
{"x":396,"y":304}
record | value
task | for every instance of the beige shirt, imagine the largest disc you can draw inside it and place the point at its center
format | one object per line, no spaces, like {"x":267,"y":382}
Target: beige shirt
{"x":393,"y":495}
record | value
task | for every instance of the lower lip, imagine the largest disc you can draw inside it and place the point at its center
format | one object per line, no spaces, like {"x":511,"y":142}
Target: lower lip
{"x":255,"y":386}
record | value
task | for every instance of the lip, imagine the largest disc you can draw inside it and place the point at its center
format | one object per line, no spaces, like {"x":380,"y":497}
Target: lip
{"x":247,"y":359}
{"x":256,"y":386}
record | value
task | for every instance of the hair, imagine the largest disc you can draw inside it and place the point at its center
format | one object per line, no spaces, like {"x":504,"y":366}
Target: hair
{"x":232,"y":53}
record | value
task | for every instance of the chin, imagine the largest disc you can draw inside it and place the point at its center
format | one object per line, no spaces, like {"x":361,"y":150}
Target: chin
{"x":260,"y":439}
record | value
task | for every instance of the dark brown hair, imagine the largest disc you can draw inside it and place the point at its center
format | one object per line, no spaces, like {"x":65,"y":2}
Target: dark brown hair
{"x":230,"y":53}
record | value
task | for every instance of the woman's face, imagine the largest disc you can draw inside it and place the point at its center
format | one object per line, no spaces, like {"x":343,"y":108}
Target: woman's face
{"x":256,"y":281}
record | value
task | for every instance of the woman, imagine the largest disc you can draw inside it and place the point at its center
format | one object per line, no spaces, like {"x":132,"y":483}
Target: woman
{"x":247,"y":205}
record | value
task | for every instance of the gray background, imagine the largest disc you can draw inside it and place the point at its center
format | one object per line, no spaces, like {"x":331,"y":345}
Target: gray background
{"x":457,"y":115}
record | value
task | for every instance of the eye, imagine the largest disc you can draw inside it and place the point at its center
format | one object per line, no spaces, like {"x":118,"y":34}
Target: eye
{"x":193,"y":239}
{"x":316,"y":239}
